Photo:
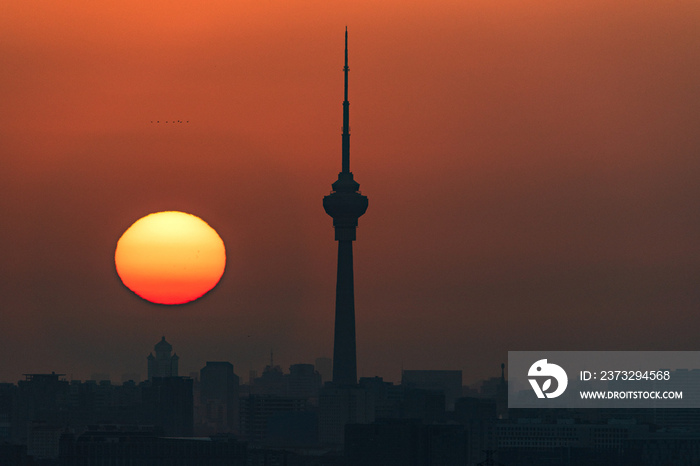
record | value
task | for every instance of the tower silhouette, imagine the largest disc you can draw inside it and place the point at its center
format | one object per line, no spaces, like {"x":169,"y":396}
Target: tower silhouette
{"x":345,"y":204}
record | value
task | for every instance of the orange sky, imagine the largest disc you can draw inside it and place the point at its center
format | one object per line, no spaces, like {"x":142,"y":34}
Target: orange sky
{"x":531,"y":169}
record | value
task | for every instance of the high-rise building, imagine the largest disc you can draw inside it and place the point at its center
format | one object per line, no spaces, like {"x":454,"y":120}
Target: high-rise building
{"x":168,"y":403}
{"x":8,"y":411}
{"x":449,"y":382}
{"x":345,"y":204}
{"x":40,"y":397}
{"x":340,"y":406}
{"x":303,"y":381}
{"x":271,"y":382}
{"x":219,"y":396}
{"x":257,"y":410}
{"x":163,"y":364}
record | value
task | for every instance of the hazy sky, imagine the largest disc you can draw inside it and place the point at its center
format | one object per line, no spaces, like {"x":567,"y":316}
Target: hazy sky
{"x":532,"y":171}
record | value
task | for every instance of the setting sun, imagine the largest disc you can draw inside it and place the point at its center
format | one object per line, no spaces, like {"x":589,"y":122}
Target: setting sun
{"x":170,"y":257}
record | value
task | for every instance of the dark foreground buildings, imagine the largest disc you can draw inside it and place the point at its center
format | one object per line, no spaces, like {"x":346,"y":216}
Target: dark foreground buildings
{"x":56,"y":422}
{"x":120,"y":446}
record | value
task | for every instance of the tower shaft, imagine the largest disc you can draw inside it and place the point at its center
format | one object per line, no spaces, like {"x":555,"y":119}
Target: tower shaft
{"x":344,"y":346}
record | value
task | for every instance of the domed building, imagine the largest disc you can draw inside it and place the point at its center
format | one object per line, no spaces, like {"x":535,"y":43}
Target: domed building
{"x":163,"y":364}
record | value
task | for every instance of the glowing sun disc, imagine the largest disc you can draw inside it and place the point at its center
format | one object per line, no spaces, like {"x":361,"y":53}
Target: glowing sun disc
{"x":170,"y":257}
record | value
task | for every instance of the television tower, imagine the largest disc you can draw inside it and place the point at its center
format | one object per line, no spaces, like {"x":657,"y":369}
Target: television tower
{"x":345,"y":204}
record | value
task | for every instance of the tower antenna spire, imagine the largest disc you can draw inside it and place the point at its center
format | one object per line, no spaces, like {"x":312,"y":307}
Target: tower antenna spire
{"x":346,"y":113}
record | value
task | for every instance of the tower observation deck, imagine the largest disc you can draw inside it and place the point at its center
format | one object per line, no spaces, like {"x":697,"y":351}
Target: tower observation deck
{"x":345,"y":204}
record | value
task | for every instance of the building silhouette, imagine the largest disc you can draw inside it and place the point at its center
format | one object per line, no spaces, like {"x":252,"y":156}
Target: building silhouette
{"x":339,"y":407}
{"x":449,"y":382}
{"x":342,"y":402}
{"x":270,"y":382}
{"x":168,"y":402}
{"x":303,"y":381}
{"x":345,"y":204}
{"x":111,"y":445}
{"x":163,"y":364}
{"x":40,"y":397}
{"x":388,"y":398}
{"x":257,"y":410}
{"x":219,"y":397}
{"x":8,"y":412}
{"x":406,"y":442}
